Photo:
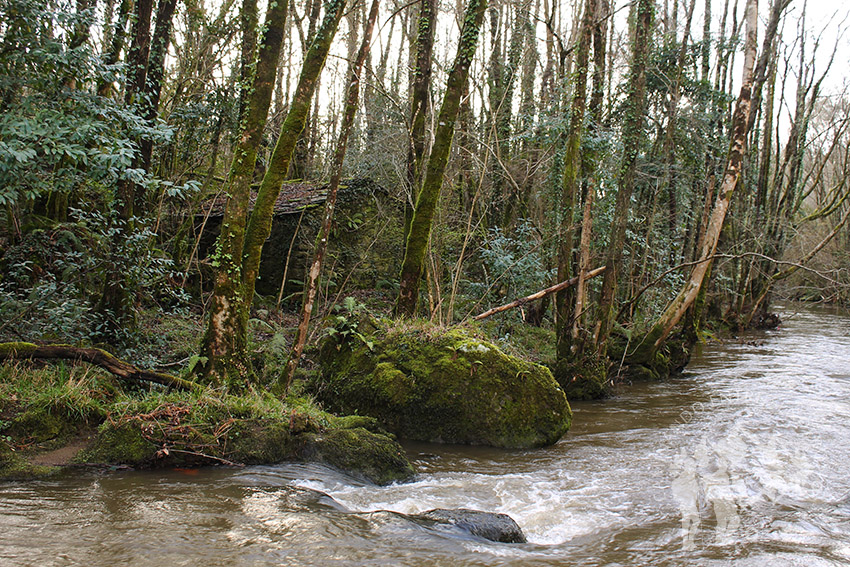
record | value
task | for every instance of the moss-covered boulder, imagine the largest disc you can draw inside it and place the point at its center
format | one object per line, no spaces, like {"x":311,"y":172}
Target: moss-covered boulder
{"x":141,"y":441}
{"x":429,"y":384}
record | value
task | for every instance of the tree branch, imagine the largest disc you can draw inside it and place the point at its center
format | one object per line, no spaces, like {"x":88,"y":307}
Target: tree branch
{"x":539,"y":294}
{"x":96,"y":356}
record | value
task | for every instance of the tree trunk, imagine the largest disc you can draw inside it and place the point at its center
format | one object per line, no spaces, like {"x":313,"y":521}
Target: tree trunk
{"x":632,"y":136}
{"x":571,"y":183}
{"x":153,"y":87}
{"x":248,"y":20}
{"x":662,"y":328}
{"x":224,"y":343}
{"x":260,"y":222}
{"x":116,"y":44}
{"x":420,"y":102}
{"x":114,"y":305}
{"x":312,"y":284}
{"x":426,"y":203}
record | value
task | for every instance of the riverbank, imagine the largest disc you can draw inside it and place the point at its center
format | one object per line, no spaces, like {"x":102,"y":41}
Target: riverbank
{"x":63,"y":416}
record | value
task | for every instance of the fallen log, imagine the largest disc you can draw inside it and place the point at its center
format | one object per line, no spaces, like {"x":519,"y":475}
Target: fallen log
{"x":543,"y":293}
{"x":96,"y":356}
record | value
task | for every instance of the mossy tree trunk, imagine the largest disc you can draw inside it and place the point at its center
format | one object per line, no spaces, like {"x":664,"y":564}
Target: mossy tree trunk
{"x":223,"y":346}
{"x":571,"y":183}
{"x":426,"y":202}
{"x":632,"y":136}
{"x":590,"y":164}
{"x":311,"y":286}
{"x":260,"y":222}
{"x":661,"y":329}
{"x":420,"y":100}
{"x":153,"y":86}
{"x":248,"y":20}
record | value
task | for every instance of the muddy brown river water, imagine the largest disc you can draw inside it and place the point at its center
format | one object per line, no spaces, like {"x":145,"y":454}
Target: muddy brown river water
{"x":744,"y":460}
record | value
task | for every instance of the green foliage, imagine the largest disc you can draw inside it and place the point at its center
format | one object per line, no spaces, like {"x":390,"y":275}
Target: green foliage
{"x":64,"y":150}
{"x":56,"y":134}
{"x":346,"y":323}
{"x":514,"y":262}
{"x":50,"y":278}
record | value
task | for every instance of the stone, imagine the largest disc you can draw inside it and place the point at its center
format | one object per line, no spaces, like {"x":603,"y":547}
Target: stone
{"x":432,"y":384}
{"x":488,"y":525}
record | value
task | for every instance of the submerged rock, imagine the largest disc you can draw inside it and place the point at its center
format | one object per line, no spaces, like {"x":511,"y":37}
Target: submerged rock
{"x":429,"y":384}
{"x":495,"y":527}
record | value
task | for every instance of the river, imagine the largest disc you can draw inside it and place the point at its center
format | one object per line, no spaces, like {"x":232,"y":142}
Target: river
{"x":744,"y":460}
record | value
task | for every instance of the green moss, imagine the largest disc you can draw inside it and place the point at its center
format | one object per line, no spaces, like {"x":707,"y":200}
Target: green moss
{"x":355,"y":421}
{"x":123,"y":443}
{"x":583,"y":379}
{"x":429,"y":384}
{"x":45,"y":408}
{"x":36,"y":425}
{"x":259,"y":442}
{"x":358,"y":452}
{"x":15,"y":467}
{"x":18,"y":349}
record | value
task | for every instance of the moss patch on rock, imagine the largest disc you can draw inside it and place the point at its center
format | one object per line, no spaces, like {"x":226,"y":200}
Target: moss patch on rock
{"x":359,"y":452}
{"x":442,"y":385}
{"x":582,"y":379}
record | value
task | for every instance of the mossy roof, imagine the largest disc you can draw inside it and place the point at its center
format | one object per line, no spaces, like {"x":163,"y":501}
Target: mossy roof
{"x":293,"y":198}
{"x":298,"y":195}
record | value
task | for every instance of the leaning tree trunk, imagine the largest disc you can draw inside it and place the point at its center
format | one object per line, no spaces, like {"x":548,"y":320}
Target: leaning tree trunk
{"x":632,"y":135}
{"x":223,"y":348}
{"x":426,"y":203}
{"x":312,"y":284}
{"x":661,"y":329}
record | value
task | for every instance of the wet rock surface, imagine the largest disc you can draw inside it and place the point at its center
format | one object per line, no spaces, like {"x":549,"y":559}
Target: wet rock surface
{"x":488,"y":525}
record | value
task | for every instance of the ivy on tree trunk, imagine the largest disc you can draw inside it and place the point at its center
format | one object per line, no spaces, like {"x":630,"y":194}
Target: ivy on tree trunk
{"x":224,"y":344}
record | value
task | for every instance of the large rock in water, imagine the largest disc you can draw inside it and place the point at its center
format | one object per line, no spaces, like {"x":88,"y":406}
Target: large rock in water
{"x":429,"y":384}
{"x":495,"y":527}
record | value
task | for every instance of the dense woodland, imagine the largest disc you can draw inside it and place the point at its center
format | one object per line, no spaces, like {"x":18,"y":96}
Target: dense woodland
{"x":679,"y":164}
